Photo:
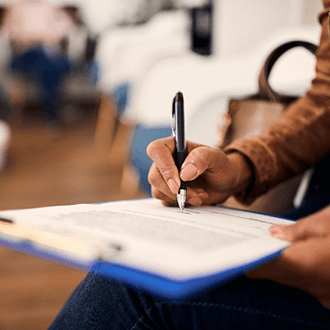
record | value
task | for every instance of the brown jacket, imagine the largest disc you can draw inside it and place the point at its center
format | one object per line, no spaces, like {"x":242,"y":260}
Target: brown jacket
{"x":301,"y":137}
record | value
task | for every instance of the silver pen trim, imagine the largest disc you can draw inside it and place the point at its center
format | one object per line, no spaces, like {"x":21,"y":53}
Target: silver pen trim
{"x":181,"y":198}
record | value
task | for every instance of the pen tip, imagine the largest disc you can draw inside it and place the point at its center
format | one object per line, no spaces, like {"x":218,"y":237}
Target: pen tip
{"x":181,"y":198}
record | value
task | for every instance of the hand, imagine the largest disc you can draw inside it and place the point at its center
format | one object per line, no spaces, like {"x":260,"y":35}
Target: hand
{"x":306,"y":264}
{"x":210,"y":173}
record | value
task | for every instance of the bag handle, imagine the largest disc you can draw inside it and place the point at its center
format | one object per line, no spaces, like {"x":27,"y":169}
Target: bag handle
{"x":265,"y":91}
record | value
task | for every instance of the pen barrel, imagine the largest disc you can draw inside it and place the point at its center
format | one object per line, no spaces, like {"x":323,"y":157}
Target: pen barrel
{"x":183,"y":185}
{"x":179,"y":157}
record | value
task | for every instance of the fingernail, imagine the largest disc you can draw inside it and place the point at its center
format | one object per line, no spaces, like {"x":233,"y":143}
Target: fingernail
{"x":277,"y":231}
{"x":174,"y":187}
{"x":188,"y":172}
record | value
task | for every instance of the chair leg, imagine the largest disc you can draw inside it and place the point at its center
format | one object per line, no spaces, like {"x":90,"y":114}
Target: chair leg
{"x":119,"y":151}
{"x":130,"y":181}
{"x":105,"y":126}
{"x":17,"y":99}
{"x":120,"y":155}
{"x":112,"y":140}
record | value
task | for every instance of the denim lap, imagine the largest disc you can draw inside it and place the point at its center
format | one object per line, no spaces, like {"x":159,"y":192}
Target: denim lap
{"x":100,"y":303}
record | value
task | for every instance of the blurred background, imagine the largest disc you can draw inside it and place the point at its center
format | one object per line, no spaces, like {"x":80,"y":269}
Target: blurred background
{"x":86,"y":85}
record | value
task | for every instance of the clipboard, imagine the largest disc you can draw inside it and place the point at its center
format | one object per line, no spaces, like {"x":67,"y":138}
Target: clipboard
{"x":117,"y":259}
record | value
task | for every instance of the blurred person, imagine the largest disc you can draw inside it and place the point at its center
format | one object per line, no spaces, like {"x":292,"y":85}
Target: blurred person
{"x":291,"y":292}
{"x":35,"y":29}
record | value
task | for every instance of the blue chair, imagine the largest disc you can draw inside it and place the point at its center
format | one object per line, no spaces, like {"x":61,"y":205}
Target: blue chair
{"x":142,"y":136}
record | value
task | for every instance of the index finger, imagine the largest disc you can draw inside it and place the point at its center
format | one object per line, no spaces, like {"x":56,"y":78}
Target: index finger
{"x":161,"y":152}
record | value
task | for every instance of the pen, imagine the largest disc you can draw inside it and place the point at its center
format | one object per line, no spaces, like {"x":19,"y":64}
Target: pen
{"x":180,"y":144}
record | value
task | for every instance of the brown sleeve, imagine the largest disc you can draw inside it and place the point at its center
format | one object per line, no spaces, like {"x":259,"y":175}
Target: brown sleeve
{"x":301,"y":137}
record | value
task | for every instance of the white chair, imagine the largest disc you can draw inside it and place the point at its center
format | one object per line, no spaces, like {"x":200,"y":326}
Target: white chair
{"x":127,"y":53}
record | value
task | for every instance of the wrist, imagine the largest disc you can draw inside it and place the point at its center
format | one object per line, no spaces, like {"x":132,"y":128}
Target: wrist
{"x":245,"y":172}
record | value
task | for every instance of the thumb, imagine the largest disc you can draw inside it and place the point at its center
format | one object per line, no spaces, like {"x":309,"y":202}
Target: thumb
{"x":201,"y":159}
{"x":214,"y":164}
{"x":196,"y":163}
{"x":299,"y":231}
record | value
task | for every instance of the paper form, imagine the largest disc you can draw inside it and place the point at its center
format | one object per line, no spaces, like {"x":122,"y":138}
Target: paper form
{"x":158,"y":239}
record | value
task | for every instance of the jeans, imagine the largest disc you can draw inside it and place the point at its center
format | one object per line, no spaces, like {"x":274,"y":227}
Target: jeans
{"x":100,"y":303}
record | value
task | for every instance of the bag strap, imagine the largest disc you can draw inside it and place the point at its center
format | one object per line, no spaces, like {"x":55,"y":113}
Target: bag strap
{"x":265,"y":91}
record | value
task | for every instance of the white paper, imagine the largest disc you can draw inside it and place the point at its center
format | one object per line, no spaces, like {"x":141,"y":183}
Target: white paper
{"x":162,"y":240}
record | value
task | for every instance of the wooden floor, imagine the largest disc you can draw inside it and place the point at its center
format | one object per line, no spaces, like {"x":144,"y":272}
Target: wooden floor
{"x":43,"y":171}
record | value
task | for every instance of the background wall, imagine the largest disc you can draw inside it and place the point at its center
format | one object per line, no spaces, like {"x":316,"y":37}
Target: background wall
{"x":100,"y":12}
{"x":311,"y":8}
{"x":239,"y":25}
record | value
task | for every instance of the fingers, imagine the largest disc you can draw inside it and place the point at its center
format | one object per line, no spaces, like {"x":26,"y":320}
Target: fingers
{"x":201,"y":159}
{"x":207,"y":170}
{"x":195,"y":200}
{"x":315,"y":225}
{"x":165,"y":199}
{"x":291,"y":233}
{"x":215,"y":166}
{"x":159,"y":187}
{"x":161,"y":152}
{"x":164,"y":175}
{"x":160,"y":190}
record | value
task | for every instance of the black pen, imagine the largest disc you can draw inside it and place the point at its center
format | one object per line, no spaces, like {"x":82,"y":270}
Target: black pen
{"x":180,"y":144}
